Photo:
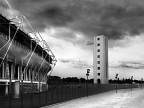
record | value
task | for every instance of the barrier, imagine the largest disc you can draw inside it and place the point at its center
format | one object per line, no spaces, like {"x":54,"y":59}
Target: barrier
{"x":55,"y":94}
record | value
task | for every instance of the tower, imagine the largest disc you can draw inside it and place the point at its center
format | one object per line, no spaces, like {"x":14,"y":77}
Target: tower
{"x":100,"y":60}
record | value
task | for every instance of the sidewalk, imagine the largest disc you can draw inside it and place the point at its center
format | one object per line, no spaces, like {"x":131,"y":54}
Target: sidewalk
{"x":122,"y":99}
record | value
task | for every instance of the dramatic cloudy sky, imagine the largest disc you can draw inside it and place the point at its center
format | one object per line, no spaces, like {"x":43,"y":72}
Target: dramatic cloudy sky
{"x":69,"y":26}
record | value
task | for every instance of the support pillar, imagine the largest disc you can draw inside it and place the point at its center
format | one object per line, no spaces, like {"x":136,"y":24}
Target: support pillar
{"x":4,"y":74}
{"x":31,"y":78}
{"x":20,"y":72}
{"x":5,"y":67}
{"x":14,"y":65}
{"x":16,"y":84}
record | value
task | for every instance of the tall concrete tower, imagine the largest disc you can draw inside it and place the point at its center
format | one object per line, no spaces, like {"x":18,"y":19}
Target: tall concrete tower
{"x":100,"y":60}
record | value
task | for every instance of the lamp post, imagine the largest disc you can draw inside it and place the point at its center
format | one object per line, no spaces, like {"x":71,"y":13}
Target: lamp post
{"x":131,"y":82}
{"x":116,"y":77}
{"x":141,"y":82}
{"x":87,"y":74}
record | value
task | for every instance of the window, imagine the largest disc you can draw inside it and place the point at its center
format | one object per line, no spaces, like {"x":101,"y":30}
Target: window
{"x":98,"y":68}
{"x":98,"y":38}
{"x":98,"y":56}
{"x":16,"y":72}
{"x":98,"y":44}
{"x":98,"y":74}
{"x":98,"y":62}
{"x":98,"y":50}
{"x":23,"y":70}
{"x":7,"y":71}
{"x":27,"y":77}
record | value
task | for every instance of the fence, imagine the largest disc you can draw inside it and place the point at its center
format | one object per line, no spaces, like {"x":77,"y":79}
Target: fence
{"x":56,"y":93}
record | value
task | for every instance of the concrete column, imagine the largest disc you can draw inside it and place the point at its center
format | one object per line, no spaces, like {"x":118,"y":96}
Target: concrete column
{"x":16,"y":89}
{"x":6,"y":75}
{"x":25,"y":73}
{"x":3,"y":70}
{"x":39,"y":80}
{"x":5,"y":66}
{"x":14,"y":64}
{"x":12,"y":71}
{"x":30,"y":71}
{"x":16,"y":84}
{"x":31,"y":78}
{"x":20,"y":71}
{"x":34,"y":70}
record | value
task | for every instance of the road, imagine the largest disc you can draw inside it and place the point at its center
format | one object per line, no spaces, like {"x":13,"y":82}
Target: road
{"x":122,"y":99}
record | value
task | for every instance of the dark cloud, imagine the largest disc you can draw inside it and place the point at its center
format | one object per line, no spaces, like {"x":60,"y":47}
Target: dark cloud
{"x":56,"y":16}
{"x":115,"y":22}
{"x":3,"y":5}
{"x":131,"y":64}
{"x":62,"y":33}
{"x":76,"y":64}
{"x":82,"y":65}
{"x":112,"y":18}
{"x":64,"y":61}
{"x":89,"y":43}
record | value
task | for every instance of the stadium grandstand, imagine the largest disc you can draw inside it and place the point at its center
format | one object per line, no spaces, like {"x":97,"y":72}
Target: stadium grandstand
{"x":25,"y":58}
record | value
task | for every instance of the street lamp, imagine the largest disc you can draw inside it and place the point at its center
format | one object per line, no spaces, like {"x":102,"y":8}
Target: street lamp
{"x":116,"y":77}
{"x":141,"y":82}
{"x":131,"y":82}
{"x":87,"y":74}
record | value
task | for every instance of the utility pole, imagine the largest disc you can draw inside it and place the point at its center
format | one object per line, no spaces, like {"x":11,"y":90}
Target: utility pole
{"x":131,"y":82}
{"x":116,"y":77}
{"x":141,"y":82}
{"x":87,"y":74}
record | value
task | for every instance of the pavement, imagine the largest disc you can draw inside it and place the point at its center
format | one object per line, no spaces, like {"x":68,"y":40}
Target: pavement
{"x":124,"y":98}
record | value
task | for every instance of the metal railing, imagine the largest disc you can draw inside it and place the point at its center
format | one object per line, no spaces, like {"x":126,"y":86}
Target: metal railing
{"x":30,"y":96}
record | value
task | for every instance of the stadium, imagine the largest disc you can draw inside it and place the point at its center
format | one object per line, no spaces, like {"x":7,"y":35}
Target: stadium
{"x":25,"y":60}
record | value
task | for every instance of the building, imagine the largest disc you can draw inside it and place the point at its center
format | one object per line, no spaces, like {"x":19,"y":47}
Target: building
{"x":23,"y":58}
{"x":100,"y":60}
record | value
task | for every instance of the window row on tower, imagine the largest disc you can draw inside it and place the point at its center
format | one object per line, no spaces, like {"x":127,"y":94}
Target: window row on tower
{"x":98,"y":56}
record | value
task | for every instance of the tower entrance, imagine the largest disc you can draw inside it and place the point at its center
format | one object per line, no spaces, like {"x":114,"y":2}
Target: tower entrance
{"x":98,"y":81}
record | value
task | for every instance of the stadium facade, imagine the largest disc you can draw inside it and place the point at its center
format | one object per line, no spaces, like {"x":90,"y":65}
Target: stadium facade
{"x":24,"y":58}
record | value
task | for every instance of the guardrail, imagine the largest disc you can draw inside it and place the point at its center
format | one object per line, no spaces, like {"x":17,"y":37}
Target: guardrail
{"x":55,"y":94}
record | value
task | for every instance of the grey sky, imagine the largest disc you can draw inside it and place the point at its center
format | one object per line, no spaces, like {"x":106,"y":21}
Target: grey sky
{"x":70,"y":25}
{"x":112,"y":18}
